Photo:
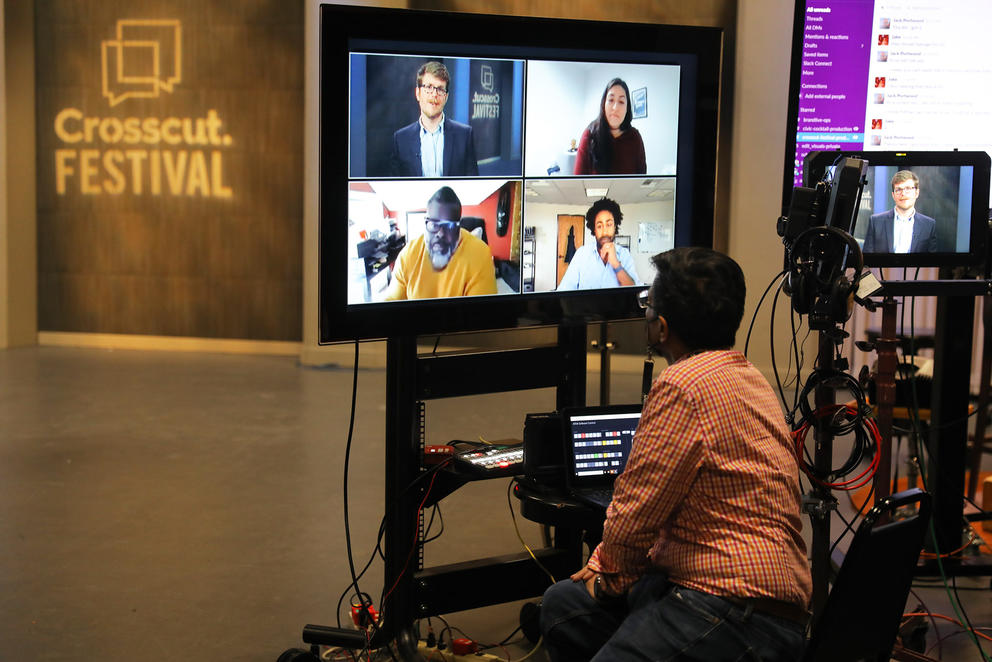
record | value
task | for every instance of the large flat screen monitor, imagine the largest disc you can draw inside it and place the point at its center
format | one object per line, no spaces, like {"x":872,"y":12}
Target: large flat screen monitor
{"x":918,"y":209}
{"x":489,"y":172}
{"x":877,"y":75}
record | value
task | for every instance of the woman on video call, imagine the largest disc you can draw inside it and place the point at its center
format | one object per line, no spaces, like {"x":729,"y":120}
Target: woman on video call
{"x":610,"y":145}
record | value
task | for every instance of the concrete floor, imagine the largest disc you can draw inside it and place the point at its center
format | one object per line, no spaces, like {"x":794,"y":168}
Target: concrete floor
{"x":174,"y":506}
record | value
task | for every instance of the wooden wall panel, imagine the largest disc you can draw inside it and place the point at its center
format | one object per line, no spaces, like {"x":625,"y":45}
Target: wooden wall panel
{"x":675,"y":12}
{"x":180,"y":211}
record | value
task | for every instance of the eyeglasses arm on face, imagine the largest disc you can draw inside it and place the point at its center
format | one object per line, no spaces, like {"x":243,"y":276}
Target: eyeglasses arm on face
{"x":644,"y":298}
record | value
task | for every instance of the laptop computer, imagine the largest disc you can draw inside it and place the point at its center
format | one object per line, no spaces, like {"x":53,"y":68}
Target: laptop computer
{"x":597,"y":444}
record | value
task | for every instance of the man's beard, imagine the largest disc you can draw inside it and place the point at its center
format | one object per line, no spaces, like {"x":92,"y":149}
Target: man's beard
{"x":601,"y":243}
{"x":440,"y":252}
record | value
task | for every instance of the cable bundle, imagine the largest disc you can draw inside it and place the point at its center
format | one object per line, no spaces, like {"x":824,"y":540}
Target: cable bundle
{"x":841,"y":419}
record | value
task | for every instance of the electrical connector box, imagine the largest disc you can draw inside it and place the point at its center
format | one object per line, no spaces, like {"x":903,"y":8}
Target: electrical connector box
{"x":464,"y":647}
{"x":430,"y":653}
{"x":363,"y":615}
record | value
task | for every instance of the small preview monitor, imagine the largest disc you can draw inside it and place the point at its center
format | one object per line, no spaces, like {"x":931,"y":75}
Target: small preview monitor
{"x":917,"y":209}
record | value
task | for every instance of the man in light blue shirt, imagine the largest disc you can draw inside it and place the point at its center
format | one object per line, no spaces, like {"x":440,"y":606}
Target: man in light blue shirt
{"x":605,"y":263}
{"x":432,"y":150}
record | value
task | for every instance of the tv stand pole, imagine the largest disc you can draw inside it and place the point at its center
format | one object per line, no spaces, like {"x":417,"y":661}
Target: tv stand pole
{"x":820,"y":503}
{"x":885,"y":391}
{"x":401,"y":521}
{"x":605,"y":347}
{"x":949,"y":418}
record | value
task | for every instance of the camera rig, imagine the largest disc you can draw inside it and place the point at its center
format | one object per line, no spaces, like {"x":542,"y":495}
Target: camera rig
{"x":823,"y":261}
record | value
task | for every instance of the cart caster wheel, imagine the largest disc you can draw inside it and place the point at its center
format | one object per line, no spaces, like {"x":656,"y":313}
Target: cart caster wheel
{"x":297,"y":655}
{"x":530,"y":621}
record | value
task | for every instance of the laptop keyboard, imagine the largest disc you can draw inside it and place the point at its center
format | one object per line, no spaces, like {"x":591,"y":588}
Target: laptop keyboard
{"x":605,"y":494}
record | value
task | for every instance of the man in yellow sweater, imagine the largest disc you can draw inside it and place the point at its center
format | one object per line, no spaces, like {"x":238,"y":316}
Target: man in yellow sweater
{"x":447,"y":260}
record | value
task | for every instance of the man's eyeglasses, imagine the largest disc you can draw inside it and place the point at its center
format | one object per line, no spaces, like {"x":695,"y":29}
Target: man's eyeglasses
{"x":436,"y":224}
{"x":433,"y":89}
{"x":644,"y":301}
{"x":644,"y":298}
{"x":903,"y":190}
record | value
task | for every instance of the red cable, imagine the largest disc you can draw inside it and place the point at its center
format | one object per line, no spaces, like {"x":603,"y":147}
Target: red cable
{"x":416,"y":537}
{"x":859,"y":481}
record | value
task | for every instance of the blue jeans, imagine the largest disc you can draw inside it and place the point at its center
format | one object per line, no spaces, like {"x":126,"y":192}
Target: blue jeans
{"x":660,"y":621}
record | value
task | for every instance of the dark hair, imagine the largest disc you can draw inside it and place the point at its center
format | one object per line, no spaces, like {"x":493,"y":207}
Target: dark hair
{"x":700,"y":293}
{"x":600,"y":138}
{"x":601,"y":205}
{"x":445,"y":195}
{"x":435,"y":69}
{"x":904,"y":176}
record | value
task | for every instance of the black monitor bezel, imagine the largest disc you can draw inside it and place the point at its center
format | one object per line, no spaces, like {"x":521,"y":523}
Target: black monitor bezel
{"x":341,"y":25}
{"x":815,"y":164}
{"x":792,"y":113}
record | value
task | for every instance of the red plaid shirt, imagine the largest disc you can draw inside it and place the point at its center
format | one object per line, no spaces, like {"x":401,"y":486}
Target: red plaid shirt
{"x":710,"y":494}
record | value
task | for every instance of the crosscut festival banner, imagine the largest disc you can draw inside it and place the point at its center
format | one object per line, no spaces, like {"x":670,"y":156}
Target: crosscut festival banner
{"x":487,"y":81}
{"x":170,"y":168}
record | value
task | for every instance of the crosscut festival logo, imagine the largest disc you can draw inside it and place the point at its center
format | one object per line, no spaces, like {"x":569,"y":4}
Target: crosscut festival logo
{"x":149,"y":155}
{"x":145,"y":59}
{"x":486,"y":105}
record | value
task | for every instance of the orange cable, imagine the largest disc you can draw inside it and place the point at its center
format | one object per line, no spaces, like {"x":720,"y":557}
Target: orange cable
{"x":947,"y":618}
{"x":956,"y":552}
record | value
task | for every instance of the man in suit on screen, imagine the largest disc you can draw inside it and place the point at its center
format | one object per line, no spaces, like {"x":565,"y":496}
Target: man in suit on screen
{"x":902,"y":229}
{"x":434,"y":145}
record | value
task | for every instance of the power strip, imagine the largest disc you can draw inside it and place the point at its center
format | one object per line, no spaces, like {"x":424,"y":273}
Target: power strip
{"x":435,"y":655}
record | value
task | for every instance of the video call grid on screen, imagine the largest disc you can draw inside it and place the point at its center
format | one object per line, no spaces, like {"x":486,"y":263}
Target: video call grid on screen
{"x":526,"y":141}
{"x":601,"y":443}
{"x":948,"y":199}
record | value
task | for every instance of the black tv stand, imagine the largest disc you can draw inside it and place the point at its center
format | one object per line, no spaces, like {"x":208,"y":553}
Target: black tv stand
{"x":414,"y":592}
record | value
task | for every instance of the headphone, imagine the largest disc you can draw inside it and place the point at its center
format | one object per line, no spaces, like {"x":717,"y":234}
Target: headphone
{"x":817,"y":282}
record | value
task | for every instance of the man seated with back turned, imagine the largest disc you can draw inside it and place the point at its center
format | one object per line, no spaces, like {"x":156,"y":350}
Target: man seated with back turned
{"x":445,"y":261}
{"x":701,"y":556}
